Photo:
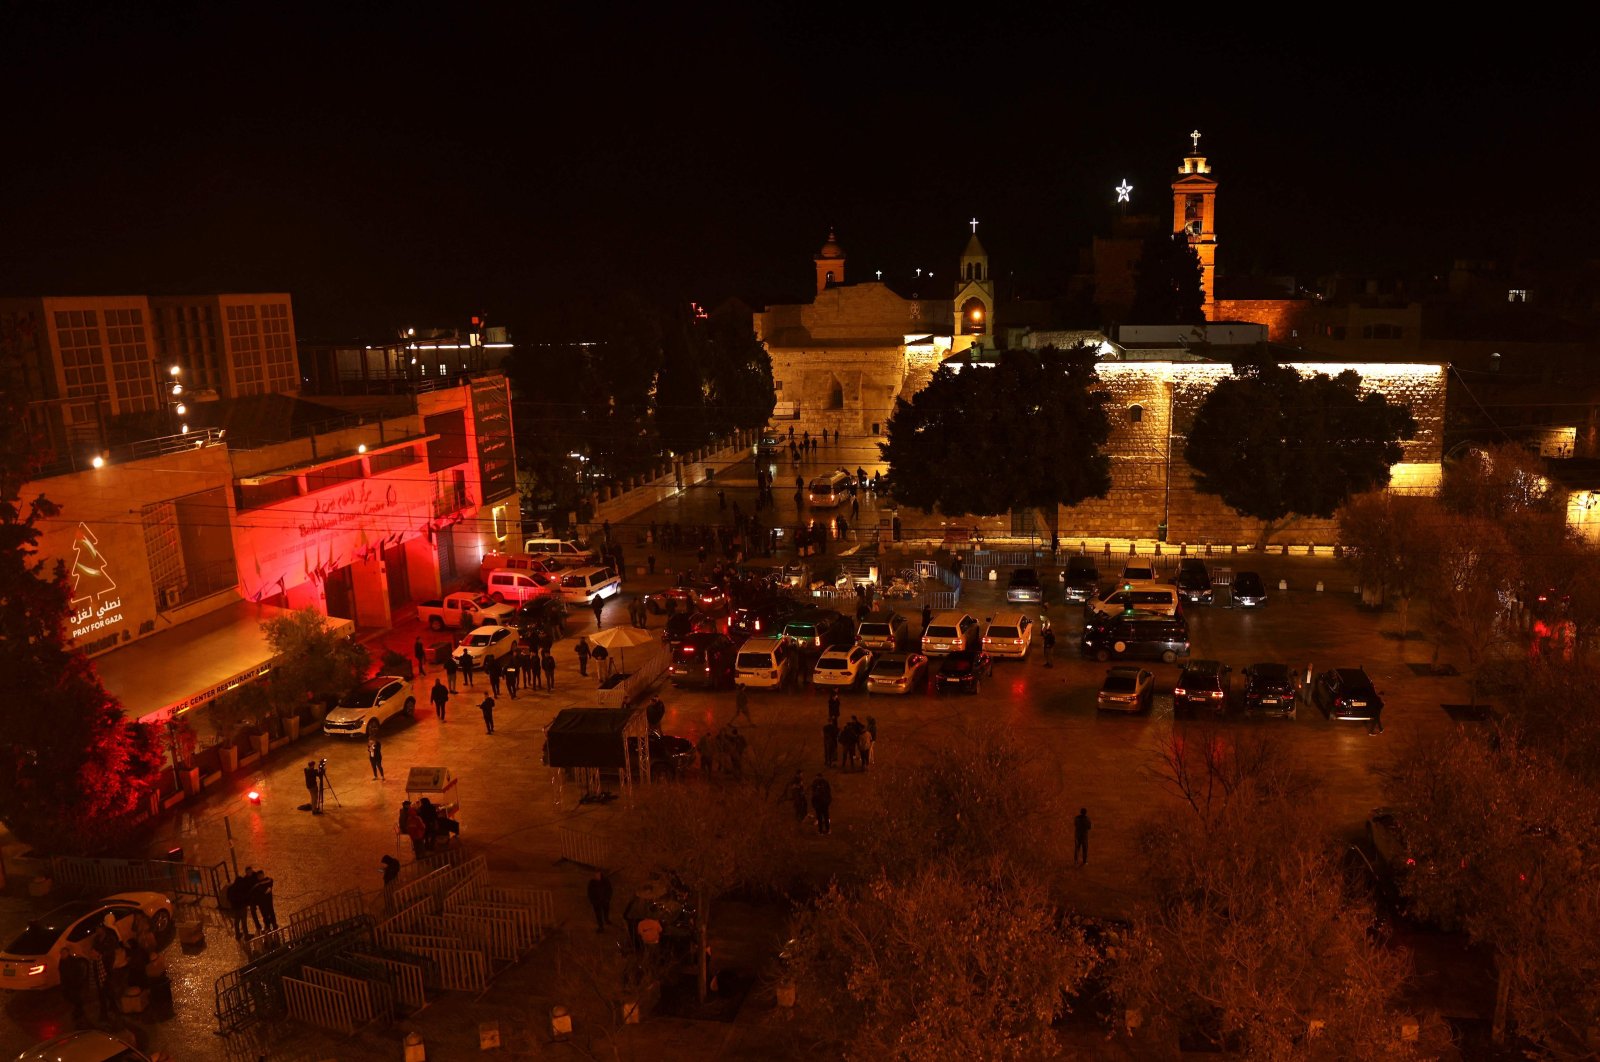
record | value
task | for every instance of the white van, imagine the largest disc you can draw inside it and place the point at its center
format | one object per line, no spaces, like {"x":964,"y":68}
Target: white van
{"x":520,"y":562}
{"x":1139,"y":596}
{"x":583,"y":586}
{"x":562,"y":549}
{"x":766,"y":663}
{"x":507,"y":584}
{"x":831,"y":489}
{"x":1008,"y":634}
{"x":949,"y":632}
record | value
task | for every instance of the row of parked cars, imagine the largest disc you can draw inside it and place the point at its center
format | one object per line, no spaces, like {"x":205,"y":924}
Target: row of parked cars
{"x":1269,"y":689}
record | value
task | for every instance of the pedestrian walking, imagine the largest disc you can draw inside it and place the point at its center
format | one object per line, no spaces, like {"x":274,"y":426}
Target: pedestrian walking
{"x":600,"y":899}
{"x":547,"y":663}
{"x":262,"y":899}
{"x":821,"y":801}
{"x":528,"y":659}
{"x":830,"y":743}
{"x":440,"y":697}
{"x":450,"y":670}
{"x":741,"y":705}
{"x":486,"y":706}
{"x":76,"y":978}
{"x":650,"y":562}
{"x":493,"y":668}
{"x":420,"y":651}
{"x":797,"y":796}
{"x":599,"y":607}
{"x":1080,"y":838}
{"x":1375,"y":724}
{"x":468,"y":665}
{"x":1049,"y":647}
{"x":833,"y":707}
{"x":513,"y":672}
{"x":927,"y":615}
{"x":375,"y":757}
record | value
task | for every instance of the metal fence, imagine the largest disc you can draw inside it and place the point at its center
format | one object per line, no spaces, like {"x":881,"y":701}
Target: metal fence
{"x":150,"y":875}
{"x":584,"y":847}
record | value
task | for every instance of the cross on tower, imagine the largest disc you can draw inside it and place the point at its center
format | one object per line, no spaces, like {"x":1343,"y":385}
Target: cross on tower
{"x":1195,"y":136}
{"x":974,"y":224}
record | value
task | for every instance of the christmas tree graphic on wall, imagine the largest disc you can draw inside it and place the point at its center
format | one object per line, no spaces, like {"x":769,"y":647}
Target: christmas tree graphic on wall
{"x":89,"y":578}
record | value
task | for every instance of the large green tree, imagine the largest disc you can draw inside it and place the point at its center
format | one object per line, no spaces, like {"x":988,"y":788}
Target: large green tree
{"x":1023,"y":433}
{"x":72,"y":768}
{"x":1274,"y":444}
{"x":738,"y":373}
{"x":1168,"y":283}
{"x":681,"y":415}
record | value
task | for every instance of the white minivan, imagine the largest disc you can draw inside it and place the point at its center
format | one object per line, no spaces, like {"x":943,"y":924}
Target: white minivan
{"x":1140,"y":596}
{"x":508,"y":584}
{"x":949,"y":632}
{"x":585,"y":585}
{"x":766,"y":663}
{"x":830,"y":489}
{"x":562,"y":549}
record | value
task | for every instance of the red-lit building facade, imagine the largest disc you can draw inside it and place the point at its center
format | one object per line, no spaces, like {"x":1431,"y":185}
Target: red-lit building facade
{"x":176,"y":557}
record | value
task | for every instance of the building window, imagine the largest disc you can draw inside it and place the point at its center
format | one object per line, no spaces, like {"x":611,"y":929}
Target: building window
{"x":244,"y":350}
{"x":1517,"y":295}
{"x":836,"y":396}
{"x":190,"y":551}
{"x":82,"y":357}
{"x":1333,"y":332}
{"x":1381,"y":331}
{"x":333,"y":475}
{"x":1135,"y":414}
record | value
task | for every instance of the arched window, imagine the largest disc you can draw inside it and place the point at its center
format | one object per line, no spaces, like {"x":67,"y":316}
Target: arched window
{"x":1135,"y":414}
{"x":836,"y":396}
{"x":977,"y":270}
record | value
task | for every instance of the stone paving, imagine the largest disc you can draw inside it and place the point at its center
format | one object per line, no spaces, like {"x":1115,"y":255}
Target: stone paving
{"x":510,"y":809}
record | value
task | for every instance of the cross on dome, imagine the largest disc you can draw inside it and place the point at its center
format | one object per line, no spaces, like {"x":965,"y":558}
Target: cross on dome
{"x":1195,"y":136}
{"x":974,"y":224}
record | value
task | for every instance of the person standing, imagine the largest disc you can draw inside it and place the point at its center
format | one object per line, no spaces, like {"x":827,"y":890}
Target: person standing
{"x":262,"y":899}
{"x":76,"y":977}
{"x":486,"y":706}
{"x":315,"y":800}
{"x":741,"y":705}
{"x":440,"y":697}
{"x":106,"y":943}
{"x":833,"y":707}
{"x":391,"y":871}
{"x":493,"y":668}
{"x":821,"y":801}
{"x":467,"y":666}
{"x":599,"y":607}
{"x":600,"y":899}
{"x":927,"y":615}
{"x":248,"y":891}
{"x":797,"y":796}
{"x":547,"y":663}
{"x":420,"y":651}
{"x":650,"y":562}
{"x":238,"y":896}
{"x":864,"y":744}
{"x":1049,"y":647}
{"x":529,"y":660}
{"x":847,"y":746}
{"x":375,"y":756}
{"x":830,"y":742}
{"x":1375,"y":724}
{"x":1080,"y":838}
{"x":513,"y":672}
{"x":450,"y":670}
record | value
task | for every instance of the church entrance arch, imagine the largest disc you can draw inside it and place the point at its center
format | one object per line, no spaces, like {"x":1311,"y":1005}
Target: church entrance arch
{"x":974,"y":317}
{"x":835,"y":394}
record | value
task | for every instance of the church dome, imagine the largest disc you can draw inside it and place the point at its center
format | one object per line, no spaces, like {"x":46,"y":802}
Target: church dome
{"x":831,"y":249}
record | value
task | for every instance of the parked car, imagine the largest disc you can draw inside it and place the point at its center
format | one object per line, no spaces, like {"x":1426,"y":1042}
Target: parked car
{"x":1346,"y":693}
{"x":1193,"y":581}
{"x":1023,"y":585}
{"x":884,"y":632}
{"x":542,"y":612}
{"x":670,"y":755}
{"x":365,"y":709}
{"x":1270,"y":689}
{"x":542,"y":563}
{"x":694,"y":597}
{"x":86,"y":1045}
{"x":463,"y":610}
{"x":584,"y":586}
{"x":1137,"y":572}
{"x":963,"y":671}
{"x":568,"y":552}
{"x":1008,"y":634}
{"x":1203,"y":684}
{"x":763,"y":616}
{"x":702,"y":660}
{"x":1080,"y":580}
{"x":1126,"y":689}
{"x":1248,"y":590}
{"x":32,"y":959}
{"x":487,"y":643}
{"x":520,"y":587}
{"x":897,"y":673}
{"x":819,"y":628}
{"x":1141,"y":597}
{"x":681,"y":625}
{"x":767,"y":663}
{"x":950,"y":632}
{"x":842,"y":667}
{"x":1136,"y":634}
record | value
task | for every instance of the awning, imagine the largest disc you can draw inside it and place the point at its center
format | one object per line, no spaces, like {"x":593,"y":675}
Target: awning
{"x":188,"y":665}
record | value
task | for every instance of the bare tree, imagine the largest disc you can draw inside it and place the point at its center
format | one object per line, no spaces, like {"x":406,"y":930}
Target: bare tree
{"x":1496,"y":482}
{"x":1473,"y":583}
{"x":1389,"y":542}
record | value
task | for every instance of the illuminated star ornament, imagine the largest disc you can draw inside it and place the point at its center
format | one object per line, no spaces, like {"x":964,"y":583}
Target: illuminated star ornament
{"x":1123,"y":191}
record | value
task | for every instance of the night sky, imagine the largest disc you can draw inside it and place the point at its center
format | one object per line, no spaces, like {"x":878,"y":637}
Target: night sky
{"x":394,"y":164}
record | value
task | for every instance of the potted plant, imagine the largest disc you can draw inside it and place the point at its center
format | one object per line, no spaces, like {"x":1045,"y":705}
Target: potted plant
{"x":393,"y":663}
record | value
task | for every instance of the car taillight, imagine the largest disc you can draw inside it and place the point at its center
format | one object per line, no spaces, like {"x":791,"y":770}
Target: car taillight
{"x":1410,"y":862}
{"x":36,"y":969}
{"x":1178,"y":691}
{"x":1216,"y":694}
{"x":688,"y":650}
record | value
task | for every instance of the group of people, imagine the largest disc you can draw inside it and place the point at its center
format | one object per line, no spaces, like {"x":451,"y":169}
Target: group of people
{"x":723,"y":751}
{"x":850,"y":746}
{"x":425,"y":823}
{"x":819,"y":801}
{"x":250,"y":900}
{"x":113,"y":966}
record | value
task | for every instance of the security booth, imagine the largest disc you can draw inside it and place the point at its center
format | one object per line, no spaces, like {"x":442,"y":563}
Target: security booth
{"x":599,"y":746}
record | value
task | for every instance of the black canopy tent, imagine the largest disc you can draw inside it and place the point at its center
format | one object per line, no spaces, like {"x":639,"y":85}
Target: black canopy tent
{"x":588,"y":741}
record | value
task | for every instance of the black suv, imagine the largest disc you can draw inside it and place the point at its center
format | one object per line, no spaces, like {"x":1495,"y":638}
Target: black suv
{"x":1203,"y":684}
{"x":681,"y":625}
{"x":1193,"y":581}
{"x":1270,"y":689}
{"x":1136,"y":634}
{"x":1081,"y":581}
{"x":962,"y":670}
{"x":814,"y":630}
{"x":1346,"y":693}
{"x":762,"y":618}
{"x":703,"y":660}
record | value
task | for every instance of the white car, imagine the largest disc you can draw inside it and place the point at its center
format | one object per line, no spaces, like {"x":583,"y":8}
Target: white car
{"x":89,"y":1045}
{"x":367,"y":707}
{"x":1008,"y":634}
{"x":842,"y":667}
{"x":1137,"y":573}
{"x":487,"y":643}
{"x":31,"y":960}
{"x":1140,"y":596}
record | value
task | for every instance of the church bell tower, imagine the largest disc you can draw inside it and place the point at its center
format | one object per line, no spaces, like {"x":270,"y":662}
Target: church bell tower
{"x":974,"y":301}
{"x":830,"y":264}
{"x":1194,"y":204}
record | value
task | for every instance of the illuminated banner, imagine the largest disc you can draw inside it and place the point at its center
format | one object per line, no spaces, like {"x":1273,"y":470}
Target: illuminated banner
{"x":96,"y":602}
{"x":304,"y":539}
{"x":491,"y":425}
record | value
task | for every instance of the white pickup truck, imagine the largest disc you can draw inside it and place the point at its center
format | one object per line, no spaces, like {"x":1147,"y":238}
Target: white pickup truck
{"x":463,"y":611}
